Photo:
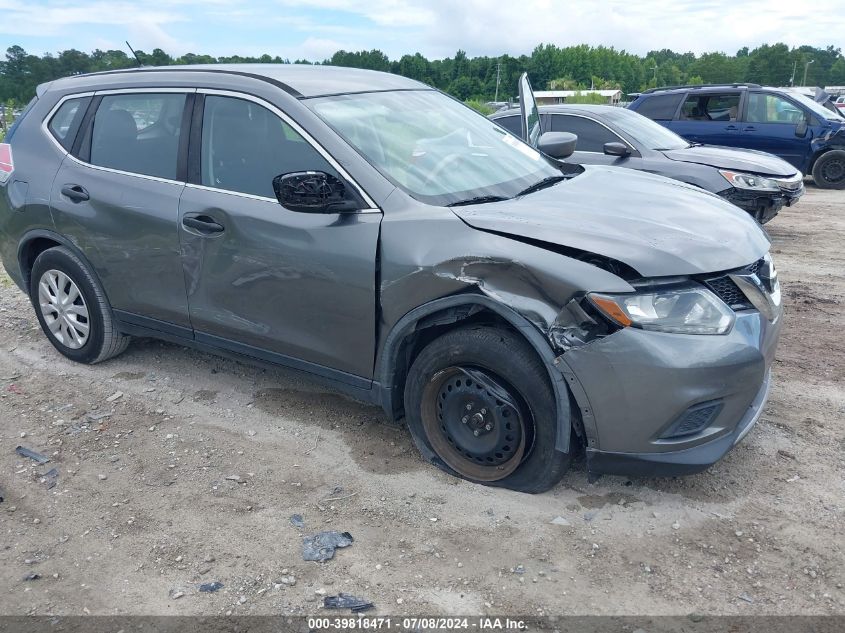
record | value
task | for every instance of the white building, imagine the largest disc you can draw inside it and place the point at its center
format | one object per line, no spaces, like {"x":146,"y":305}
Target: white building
{"x":551,"y":97}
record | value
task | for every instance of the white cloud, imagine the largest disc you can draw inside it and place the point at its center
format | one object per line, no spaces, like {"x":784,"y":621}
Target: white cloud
{"x":314,"y":29}
{"x":440,"y":27}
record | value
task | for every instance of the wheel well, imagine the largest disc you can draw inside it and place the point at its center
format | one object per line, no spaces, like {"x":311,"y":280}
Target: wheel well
{"x":818,"y":155}
{"x":30,"y":251}
{"x":429,"y":328}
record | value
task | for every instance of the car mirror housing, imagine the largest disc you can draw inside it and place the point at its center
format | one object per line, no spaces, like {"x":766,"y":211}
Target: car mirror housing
{"x":615,"y":148}
{"x":313,"y":192}
{"x":557,"y":144}
{"x":801,"y":128}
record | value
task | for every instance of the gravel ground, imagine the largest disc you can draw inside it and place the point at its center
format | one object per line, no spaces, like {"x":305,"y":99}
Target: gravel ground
{"x":177,"y":468}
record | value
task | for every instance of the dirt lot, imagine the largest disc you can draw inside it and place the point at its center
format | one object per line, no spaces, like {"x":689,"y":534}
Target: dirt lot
{"x":192,"y":474}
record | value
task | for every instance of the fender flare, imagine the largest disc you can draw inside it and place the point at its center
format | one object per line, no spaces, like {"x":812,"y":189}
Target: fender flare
{"x":35,"y":234}
{"x":386,"y":364}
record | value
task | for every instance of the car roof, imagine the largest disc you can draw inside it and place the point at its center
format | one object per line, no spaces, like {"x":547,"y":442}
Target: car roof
{"x":695,"y":87}
{"x":301,"y":80}
{"x":563,"y":108}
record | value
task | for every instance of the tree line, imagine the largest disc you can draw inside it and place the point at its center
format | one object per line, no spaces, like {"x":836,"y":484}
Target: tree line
{"x":475,"y":78}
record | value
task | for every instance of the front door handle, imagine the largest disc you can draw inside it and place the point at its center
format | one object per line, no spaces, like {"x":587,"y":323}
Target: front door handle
{"x":203,"y":224}
{"x":731,"y":128}
{"x":750,"y":128}
{"x":76,"y":193}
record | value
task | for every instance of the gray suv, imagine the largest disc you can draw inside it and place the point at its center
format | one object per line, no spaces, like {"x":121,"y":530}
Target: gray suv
{"x":388,"y":240}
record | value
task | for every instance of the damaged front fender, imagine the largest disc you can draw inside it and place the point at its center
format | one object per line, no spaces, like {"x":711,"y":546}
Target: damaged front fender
{"x":524,"y":284}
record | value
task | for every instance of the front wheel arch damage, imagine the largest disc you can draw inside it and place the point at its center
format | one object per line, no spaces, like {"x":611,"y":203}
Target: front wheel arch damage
{"x":470,"y":310}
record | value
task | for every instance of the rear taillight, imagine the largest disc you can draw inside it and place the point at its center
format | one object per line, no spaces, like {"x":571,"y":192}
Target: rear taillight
{"x":7,"y":165}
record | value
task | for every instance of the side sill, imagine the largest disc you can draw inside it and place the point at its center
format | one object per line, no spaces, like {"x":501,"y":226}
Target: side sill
{"x":355,"y":386}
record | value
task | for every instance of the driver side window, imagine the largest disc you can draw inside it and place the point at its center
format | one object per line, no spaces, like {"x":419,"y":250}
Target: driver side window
{"x":245,"y":146}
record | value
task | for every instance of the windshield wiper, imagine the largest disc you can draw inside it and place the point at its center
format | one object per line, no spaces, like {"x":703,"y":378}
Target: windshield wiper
{"x":477,"y":200}
{"x":542,"y":184}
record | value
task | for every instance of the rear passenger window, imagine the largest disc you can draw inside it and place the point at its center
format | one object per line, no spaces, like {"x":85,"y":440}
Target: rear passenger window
{"x":591,"y":135}
{"x":65,"y":122}
{"x":245,"y":146}
{"x":660,"y":107}
{"x":138,"y":133}
{"x":714,"y":107}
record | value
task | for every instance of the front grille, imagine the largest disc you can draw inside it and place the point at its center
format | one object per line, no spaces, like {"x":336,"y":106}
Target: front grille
{"x":729,"y":292}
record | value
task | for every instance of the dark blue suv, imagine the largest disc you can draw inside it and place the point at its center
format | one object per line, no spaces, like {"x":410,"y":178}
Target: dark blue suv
{"x":750,"y":116}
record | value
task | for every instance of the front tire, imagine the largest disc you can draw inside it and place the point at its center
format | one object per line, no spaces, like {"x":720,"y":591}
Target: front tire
{"x":829,"y":170}
{"x":72,"y":308}
{"x":479,"y":405}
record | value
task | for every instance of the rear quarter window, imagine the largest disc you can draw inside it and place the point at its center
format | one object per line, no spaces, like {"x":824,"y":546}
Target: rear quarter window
{"x":660,"y":107}
{"x":65,"y":123}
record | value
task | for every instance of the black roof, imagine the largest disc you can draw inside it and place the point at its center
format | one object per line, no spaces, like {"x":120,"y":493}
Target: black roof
{"x":302,"y":80}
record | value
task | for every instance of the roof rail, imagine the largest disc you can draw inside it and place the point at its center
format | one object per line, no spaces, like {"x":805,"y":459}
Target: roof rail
{"x":734,"y":85}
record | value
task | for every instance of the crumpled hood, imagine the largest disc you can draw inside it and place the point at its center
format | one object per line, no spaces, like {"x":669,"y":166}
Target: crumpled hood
{"x":736,"y":159}
{"x":657,"y":226}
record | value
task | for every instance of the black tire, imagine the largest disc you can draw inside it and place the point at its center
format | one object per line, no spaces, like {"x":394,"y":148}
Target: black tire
{"x":103,"y":338}
{"x":512,"y":364}
{"x":829,"y":170}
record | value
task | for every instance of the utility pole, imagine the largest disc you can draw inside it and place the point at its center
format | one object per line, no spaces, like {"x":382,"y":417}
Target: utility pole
{"x":792,"y":79}
{"x":655,"y":75}
{"x":498,"y":78}
{"x":806,"y":66}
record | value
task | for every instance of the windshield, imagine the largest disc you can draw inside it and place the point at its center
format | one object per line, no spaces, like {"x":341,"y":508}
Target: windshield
{"x":818,"y":109}
{"x":438,"y":150}
{"x":643,"y":131}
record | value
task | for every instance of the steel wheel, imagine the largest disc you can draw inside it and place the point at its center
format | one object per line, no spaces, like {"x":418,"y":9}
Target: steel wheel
{"x":63,"y":309}
{"x":833,"y":171}
{"x":479,"y":426}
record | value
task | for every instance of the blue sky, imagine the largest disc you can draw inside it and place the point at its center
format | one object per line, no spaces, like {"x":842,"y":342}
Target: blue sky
{"x":313,"y":29}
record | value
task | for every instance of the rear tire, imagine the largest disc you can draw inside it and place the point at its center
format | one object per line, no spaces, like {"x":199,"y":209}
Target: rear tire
{"x":72,"y":308}
{"x":829,"y":170}
{"x":479,"y":405}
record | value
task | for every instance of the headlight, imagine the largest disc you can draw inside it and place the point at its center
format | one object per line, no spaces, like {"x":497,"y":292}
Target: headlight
{"x":689,"y":310}
{"x":749,"y":181}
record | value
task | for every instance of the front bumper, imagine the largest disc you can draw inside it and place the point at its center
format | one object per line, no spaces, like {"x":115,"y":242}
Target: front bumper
{"x":763,"y":206}
{"x":634,"y":386}
{"x":685,"y":461}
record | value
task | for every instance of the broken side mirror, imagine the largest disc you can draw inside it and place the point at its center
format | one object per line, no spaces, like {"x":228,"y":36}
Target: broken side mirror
{"x":615,"y":148}
{"x":314,"y":192}
{"x":801,"y":128}
{"x":557,"y":144}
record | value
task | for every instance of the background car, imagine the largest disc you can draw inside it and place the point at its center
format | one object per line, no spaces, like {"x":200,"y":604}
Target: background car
{"x":757,"y":182}
{"x":787,"y":124}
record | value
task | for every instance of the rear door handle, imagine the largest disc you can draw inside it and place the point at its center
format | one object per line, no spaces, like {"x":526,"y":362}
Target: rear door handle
{"x":731,"y":128}
{"x":76,"y":193}
{"x":203,"y":224}
{"x":750,"y":128}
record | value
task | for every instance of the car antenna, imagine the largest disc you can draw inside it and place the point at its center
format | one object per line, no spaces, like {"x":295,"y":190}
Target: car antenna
{"x":134,"y":54}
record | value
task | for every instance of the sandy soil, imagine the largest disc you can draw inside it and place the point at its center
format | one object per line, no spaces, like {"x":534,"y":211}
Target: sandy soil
{"x":192,"y":474}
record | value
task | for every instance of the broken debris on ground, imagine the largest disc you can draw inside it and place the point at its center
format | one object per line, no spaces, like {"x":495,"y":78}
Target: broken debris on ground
{"x":345,"y":601}
{"x":321,"y":546}
{"x":31,"y":454}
